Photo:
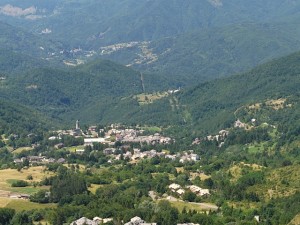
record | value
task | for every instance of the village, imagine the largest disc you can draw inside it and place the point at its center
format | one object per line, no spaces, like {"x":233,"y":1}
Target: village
{"x":118,"y":141}
{"x":125,"y":137}
{"x":133,"y":221}
{"x":121,"y":145}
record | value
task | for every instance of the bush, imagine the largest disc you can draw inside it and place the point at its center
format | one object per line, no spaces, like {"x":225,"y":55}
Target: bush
{"x":20,"y":183}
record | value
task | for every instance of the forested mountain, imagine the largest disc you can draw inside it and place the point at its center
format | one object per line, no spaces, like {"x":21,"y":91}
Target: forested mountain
{"x":104,"y":92}
{"x":182,"y":41}
{"x":192,"y":41}
{"x":20,"y":41}
{"x":70,"y":92}
{"x":106,"y":22}
{"x":211,"y":106}
{"x":203,"y":55}
{"x":19,"y":120}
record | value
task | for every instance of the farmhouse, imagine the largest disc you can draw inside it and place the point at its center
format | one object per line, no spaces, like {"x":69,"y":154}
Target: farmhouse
{"x":198,"y":190}
{"x":91,"y":141}
{"x":138,"y":221}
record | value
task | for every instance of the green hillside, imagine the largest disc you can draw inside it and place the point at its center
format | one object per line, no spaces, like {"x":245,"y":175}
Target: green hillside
{"x":103,"y":91}
{"x":190,"y":41}
{"x":204,"y":55}
{"x":13,"y":63}
{"x":210,"y":106}
{"x":68,"y":93}
{"x":201,"y":56}
{"x":19,"y":40}
{"x":20,"y":120}
{"x":94,"y":23}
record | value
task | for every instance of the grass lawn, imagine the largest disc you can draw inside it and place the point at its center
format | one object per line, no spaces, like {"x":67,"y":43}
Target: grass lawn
{"x":27,"y":190}
{"x":20,"y":205}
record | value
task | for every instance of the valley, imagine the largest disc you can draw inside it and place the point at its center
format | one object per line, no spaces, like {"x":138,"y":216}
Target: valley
{"x":170,"y":112}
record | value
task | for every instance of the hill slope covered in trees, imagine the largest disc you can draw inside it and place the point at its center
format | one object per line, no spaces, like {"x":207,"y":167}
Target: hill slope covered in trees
{"x":211,"y":105}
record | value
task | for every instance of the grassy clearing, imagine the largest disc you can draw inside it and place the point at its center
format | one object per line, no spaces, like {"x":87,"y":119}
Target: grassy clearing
{"x":189,"y":206}
{"x":295,"y":221}
{"x":27,"y":190}
{"x":20,"y":205}
{"x":179,"y":169}
{"x":236,"y":171}
{"x":7,"y":176}
{"x":43,"y":222}
{"x":4,"y":202}
{"x":81,"y":167}
{"x":93,"y":188}
{"x":260,"y":147}
{"x":202,"y":176}
{"x":245,"y":205}
{"x":276,"y":104}
{"x":255,"y":148}
{"x":74,"y":148}
{"x":150,"y":98}
{"x":281,"y":182}
{"x":25,"y":149}
{"x":152,"y":129}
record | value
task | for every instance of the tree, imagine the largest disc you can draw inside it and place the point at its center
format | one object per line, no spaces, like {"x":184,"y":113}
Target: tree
{"x":189,"y":196}
{"x":66,"y":184}
{"x":41,"y":197}
{"x":166,"y":214}
{"x":21,"y":218}
{"x":19,"y":183}
{"x":6,"y":215}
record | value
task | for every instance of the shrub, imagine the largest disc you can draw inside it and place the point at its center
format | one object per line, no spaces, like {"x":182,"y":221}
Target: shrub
{"x":19,"y":183}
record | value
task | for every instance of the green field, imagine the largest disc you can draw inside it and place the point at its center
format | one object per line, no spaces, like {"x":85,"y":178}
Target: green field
{"x":20,"y":205}
{"x":190,"y":206}
{"x":8,"y":176}
{"x":19,"y":150}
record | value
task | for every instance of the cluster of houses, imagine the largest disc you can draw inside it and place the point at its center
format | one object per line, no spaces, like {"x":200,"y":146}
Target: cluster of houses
{"x":39,"y":160}
{"x":95,"y":221}
{"x":220,"y":138}
{"x":133,"y":221}
{"x":239,"y":124}
{"x":176,"y":188}
{"x":136,"y":136}
{"x":107,"y":50}
{"x":138,"y":221}
{"x":112,"y":135}
{"x":188,"y":224}
{"x":137,"y":154}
